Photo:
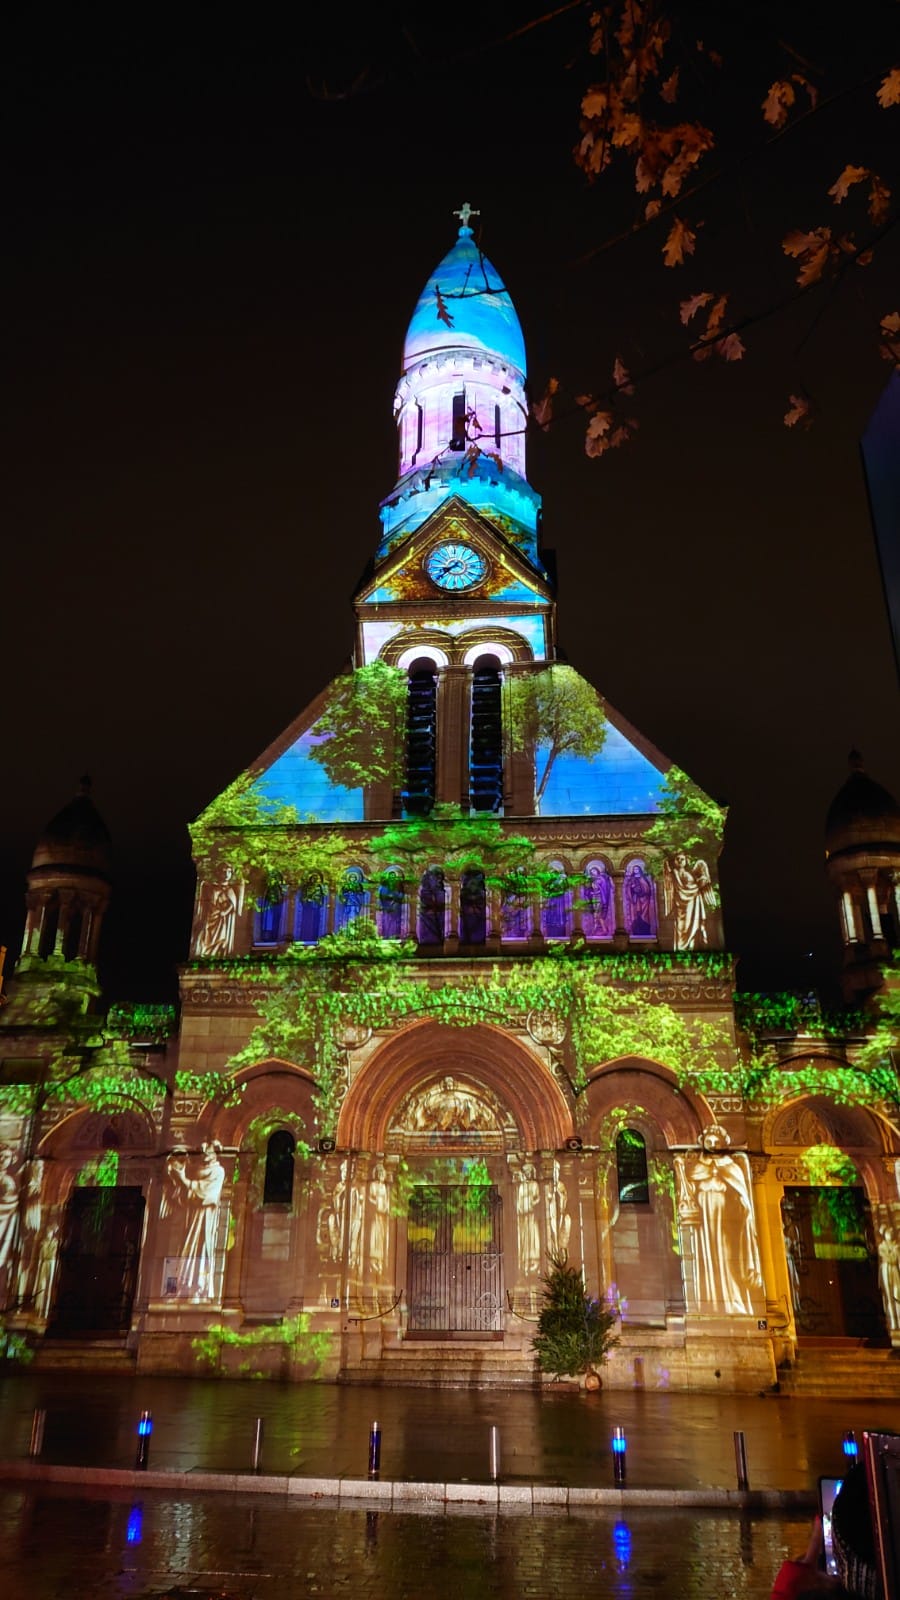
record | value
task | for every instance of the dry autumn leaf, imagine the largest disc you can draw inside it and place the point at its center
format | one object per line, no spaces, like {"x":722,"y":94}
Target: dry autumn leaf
{"x":669,"y":89}
{"x":689,"y":308}
{"x":443,"y":314}
{"x":797,"y":412}
{"x":778,"y":101}
{"x":879,"y":200}
{"x":811,"y":250}
{"x":889,"y":91}
{"x":621,"y":377}
{"x":841,"y":187}
{"x":679,"y":243}
{"x":542,"y":410}
{"x":596,"y":440}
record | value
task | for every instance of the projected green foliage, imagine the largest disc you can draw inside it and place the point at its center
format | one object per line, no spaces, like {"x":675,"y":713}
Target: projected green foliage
{"x":364,"y":725}
{"x":263,"y":839}
{"x":294,"y":1336}
{"x":882,"y":1049}
{"x":556,"y":711}
{"x":688,"y":819}
{"x":355,"y":977}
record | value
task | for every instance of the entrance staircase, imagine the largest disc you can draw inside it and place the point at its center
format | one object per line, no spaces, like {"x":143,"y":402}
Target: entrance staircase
{"x":84,"y":1355}
{"x":422,"y":1364}
{"x":843,"y":1368}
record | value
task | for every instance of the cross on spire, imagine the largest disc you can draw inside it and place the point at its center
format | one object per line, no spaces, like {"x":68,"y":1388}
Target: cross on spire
{"x":465,"y":212}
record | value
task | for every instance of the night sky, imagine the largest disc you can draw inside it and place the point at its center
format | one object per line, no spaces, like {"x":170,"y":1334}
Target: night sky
{"x":210,"y":265}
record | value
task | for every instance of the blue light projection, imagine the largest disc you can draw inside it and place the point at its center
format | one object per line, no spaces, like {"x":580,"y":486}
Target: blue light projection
{"x":482,"y":314}
{"x":620,"y":781}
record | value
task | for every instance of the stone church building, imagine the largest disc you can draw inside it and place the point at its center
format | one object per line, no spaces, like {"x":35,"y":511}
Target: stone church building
{"x":457,"y":1005}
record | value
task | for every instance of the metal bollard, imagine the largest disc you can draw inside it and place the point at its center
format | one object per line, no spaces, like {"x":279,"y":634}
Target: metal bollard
{"x":257,"y":1444}
{"x":740,"y":1459}
{"x":144,"y":1429}
{"x":38,"y":1424}
{"x":375,"y":1450}
{"x":495,"y":1453}
{"x":619,"y":1447}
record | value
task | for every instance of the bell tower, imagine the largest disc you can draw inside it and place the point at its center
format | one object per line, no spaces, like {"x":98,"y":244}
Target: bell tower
{"x":862,"y":849}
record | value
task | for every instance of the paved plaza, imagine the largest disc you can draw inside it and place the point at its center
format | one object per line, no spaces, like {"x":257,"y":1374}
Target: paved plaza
{"x":675,"y":1441}
{"x":136,"y":1543}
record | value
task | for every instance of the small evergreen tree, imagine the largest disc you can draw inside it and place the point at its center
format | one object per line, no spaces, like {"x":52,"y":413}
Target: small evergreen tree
{"x":575,"y":1331}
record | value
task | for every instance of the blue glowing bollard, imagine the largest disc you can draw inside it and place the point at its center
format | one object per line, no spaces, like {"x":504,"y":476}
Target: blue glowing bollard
{"x":144,"y":1429}
{"x":619,"y":1447}
{"x":850,"y":1446}
{"x":375,"y":1450}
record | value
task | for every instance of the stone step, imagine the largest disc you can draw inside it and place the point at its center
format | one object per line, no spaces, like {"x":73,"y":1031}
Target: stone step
{"x":83,"y":1355}
{"x":855,"y":1374}
{"x":446,"y":1366}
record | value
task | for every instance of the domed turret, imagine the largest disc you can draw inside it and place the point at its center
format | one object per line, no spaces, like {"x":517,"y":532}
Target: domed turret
{"x":460,"y":404}
{"x":68,"y":884}
{"x":862,"y":849}
{"x":465,"y":306}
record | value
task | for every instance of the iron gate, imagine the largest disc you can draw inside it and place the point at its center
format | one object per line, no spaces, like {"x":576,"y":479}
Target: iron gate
{"x":455,"y":1261}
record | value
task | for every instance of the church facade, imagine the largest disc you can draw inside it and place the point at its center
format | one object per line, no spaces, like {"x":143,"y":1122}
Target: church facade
{"x":457,"y":1006}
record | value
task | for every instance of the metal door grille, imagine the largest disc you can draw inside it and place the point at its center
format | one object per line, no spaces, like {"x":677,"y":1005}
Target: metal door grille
{"x":455,"y":1261}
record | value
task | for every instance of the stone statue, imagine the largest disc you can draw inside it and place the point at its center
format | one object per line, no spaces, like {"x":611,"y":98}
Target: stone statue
{"x":333,"y":1232}
{"x":889,"y":1277}
{"x":215,"y":935}
{"x":449,"y":1107}
{"x":527,"y":1197}
{"x":638,"y":894}
{"x":559,"y":1223}
{"x":45,"y":1269}
{"x":688,"y":895}
{"x":378,"y":1229}
{"x":9,"y":1209}
{"x":202,"y":1194}
{"x":598,"y":919}
{"x":716,"y":1199}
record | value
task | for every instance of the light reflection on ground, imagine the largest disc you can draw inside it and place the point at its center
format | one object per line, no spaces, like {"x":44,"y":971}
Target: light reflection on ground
{"x":55,"y":1544}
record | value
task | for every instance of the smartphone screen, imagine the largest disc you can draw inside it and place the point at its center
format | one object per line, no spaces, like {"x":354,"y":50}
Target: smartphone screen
{"x":829,"y":1488}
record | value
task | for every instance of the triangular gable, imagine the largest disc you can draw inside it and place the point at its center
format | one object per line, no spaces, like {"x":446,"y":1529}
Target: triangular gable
{"x":401,"y":577}
{"x":288,"y":774}
{"x":625,"y":779}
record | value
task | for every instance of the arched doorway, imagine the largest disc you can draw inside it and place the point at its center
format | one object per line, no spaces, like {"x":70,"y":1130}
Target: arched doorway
{"x":88,"y":1255}
{"x":827,"y":1223}
{"x":450,"y":1202}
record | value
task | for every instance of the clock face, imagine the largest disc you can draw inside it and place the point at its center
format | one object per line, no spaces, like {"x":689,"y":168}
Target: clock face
{"x":455,"y":566}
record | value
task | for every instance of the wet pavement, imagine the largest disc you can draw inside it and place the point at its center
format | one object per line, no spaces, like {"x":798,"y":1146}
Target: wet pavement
{"x":193,"y":1548}
{"x":322,"y":1430}
{"x":143,"y":1544}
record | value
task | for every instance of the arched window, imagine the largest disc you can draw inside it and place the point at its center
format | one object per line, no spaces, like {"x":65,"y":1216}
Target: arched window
{"x":515,"y":908}
{"x":555,"y":903}
{"x":639,"y":898}
{"x":278,"y":1187}
{"x":598,"y":902}
{"x":421,"y":738}
{"x":269,"y":919}
{"x":631,"y":1169}
{"x":310,"y":910}
{"x":391,"y":895}
{"x":352,"y":898}
{"x":486,"y":751}
{"x":472,"y":909}
{"x":430,"y":921}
